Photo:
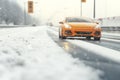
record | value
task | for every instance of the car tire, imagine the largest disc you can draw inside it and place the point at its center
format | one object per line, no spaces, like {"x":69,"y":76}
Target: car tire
{"x":97,"y":38}
{"x":63,"y":37}
{"x":59,"y":36}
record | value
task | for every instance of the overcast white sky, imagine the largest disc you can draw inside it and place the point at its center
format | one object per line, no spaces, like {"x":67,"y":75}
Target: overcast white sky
{"x":54,"y":9}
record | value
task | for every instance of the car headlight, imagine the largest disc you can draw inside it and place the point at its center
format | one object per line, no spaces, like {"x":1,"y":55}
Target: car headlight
{"x":67,"y":26}
{"x":98,"y":26}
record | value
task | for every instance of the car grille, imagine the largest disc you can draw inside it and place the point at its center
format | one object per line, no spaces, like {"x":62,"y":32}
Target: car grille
{"x":79,"y":32}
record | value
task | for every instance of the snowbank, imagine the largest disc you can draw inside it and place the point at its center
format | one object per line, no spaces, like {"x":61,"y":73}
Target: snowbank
{"x":30,"y":54}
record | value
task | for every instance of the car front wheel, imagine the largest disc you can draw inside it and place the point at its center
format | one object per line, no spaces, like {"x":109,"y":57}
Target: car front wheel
{"x":63,"y":37}
{"x":97,"y":38}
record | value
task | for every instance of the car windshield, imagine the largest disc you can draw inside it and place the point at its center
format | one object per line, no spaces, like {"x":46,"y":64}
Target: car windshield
{"x":79,"y":20}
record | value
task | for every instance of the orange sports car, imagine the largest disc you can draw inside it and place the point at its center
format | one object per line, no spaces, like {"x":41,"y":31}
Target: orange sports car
{"x":79,"y":27}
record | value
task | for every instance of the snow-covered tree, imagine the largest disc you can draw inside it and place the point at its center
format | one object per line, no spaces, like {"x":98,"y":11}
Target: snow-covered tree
{"x":10,"y":12}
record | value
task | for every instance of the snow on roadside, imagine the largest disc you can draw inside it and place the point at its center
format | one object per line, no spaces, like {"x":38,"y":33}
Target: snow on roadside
{"x":99,"y":50}
{"x":30,"y":54}
{"x":113,"y":40}
{"x":111,"y":34}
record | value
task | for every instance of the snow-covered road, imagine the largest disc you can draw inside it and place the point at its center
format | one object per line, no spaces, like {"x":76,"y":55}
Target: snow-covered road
{"x":28,"y":53}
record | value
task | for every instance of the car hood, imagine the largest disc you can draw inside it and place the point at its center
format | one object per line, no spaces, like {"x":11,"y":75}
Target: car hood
{"x":82,"y":25}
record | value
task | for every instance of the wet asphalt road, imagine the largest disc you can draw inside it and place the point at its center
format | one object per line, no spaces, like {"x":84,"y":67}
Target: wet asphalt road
{"x":107,"y":44}
{"x":110,"y":68}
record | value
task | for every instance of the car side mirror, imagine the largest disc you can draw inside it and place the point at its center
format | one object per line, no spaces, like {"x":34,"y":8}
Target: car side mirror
{"x":97,"y":22}
{"x":60,"y":22}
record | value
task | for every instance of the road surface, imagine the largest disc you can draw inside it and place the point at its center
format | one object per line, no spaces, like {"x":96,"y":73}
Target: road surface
{"x":110,"y":67}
